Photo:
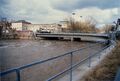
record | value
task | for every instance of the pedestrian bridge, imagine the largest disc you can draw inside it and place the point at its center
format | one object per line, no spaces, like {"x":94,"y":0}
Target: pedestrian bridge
{"x":74,"y":36}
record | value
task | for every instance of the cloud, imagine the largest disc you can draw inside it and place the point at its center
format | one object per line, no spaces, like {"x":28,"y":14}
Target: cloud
{"x":2,"y":2}
{"x":36,"y":11}
{"x":3,"y":8}
{"x":102,"y":16}
{"x":69,"y":6}
{"x":51,"y":11}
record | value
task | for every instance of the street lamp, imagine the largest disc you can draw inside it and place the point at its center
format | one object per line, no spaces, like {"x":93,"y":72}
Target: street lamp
{"x":73,"y":21}
{"x":73,"y":13}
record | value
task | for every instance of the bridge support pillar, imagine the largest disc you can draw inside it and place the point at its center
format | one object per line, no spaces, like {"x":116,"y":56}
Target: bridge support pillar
{"x":71,"y":39}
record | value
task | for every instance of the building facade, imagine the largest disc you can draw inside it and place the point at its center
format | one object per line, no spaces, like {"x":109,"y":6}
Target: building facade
{"x":22,"y":25}
{"x":53,"y":28}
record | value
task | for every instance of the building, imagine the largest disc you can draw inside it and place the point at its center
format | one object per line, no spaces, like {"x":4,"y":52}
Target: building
{"x":64,"y":24}
{"x":20,"y":25}
{"x":23,"y":25}
{"x":54,"y":28}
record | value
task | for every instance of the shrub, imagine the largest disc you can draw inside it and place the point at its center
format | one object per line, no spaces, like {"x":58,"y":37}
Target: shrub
{"x":106,"y":70}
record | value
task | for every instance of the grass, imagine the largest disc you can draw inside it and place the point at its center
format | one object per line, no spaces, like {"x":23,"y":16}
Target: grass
{"x":107,"y":69}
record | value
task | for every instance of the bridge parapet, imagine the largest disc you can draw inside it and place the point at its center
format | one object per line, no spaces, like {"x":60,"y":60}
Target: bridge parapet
{"x":72,"y":36}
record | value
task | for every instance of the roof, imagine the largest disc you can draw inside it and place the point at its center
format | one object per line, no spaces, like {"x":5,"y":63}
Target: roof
{"x":22,"y":21}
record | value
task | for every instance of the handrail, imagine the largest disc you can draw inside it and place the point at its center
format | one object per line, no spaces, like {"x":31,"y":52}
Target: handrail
{"x":87,"y":34}
{"x":55,"y":76}
{"x":71,"y":34}
{"x":17,"y":70}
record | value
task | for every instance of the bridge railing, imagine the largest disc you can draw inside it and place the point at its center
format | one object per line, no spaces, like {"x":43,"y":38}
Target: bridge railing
{"x":74,"y":34}
{"x":19,"y":69}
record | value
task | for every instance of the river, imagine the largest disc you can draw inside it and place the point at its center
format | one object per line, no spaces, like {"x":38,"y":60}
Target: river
{"x":15,"y":53}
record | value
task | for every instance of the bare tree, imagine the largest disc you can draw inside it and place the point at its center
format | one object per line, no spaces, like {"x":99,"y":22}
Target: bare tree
{"x":107,"y":28}
{"x":79,"y":26}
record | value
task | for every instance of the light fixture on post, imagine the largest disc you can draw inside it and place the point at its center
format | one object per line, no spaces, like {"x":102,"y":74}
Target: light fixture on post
{"x":73,"y":14}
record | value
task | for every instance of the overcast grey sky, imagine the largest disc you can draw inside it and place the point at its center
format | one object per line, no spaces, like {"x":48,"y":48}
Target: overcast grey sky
{"x":51,"y":11}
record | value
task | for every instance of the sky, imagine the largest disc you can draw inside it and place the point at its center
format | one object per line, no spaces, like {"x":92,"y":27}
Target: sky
{"x":53,"y":11}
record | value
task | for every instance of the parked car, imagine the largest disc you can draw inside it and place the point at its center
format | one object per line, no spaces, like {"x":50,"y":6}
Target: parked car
{"x":43,"y":31}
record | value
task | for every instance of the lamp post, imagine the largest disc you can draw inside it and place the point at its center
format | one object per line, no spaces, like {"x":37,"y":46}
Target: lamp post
{"x":73,"y":13}
{"x":73,"y":22}
{"x":73,"y":16}
{"x":81,"y":18}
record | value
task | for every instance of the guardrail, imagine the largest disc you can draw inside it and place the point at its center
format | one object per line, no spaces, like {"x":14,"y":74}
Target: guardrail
{"x":73,"y":66}
{"x":18,"y":69}
{"x":72,"y":34}
{"x":93,"y":34}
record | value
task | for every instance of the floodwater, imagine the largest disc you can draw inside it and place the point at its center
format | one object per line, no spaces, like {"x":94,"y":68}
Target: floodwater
{"x":15,"y":53}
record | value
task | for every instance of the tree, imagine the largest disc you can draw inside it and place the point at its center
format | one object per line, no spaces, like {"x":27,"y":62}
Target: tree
{"x":107,"y":28}
{"x":86,"y":26}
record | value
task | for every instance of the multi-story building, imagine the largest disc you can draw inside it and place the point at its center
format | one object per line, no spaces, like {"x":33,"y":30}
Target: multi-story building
{"x":54,"y":28}
{"x":22,"y":25}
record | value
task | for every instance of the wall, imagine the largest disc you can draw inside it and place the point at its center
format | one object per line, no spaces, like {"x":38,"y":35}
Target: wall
{"x":17,"y":26}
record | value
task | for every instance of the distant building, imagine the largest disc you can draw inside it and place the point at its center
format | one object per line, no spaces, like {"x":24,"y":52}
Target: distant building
{"x":64,"y":24}
{"x":23,"y":25}
{"x":54,"y":28}
{"x":20,"y":25}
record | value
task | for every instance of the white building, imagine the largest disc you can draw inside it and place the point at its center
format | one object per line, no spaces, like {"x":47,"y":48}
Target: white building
{"x":54,"y":28}
{"x":64,"y":24}
{"x":23,"y":25}
{"x":20,"y":25}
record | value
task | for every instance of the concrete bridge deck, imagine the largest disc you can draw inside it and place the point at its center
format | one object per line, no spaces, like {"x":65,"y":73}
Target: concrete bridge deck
{"x":73,"y":36}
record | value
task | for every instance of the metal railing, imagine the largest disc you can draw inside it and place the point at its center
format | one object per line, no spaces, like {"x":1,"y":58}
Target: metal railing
{"x":18,"y":69}
{"x":74,"y":65}
{"x":70,"y":34}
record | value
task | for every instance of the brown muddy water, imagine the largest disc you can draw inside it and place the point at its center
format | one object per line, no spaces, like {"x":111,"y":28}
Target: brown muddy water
{"x":15,"y":53}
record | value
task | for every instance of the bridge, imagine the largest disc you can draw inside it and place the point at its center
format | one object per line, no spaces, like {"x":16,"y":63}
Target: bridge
{"x":74,"y":36}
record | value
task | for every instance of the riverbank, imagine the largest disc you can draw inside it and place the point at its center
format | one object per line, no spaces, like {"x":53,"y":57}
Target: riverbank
{"x":107,"y":69}
{"x":22,"y":35}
